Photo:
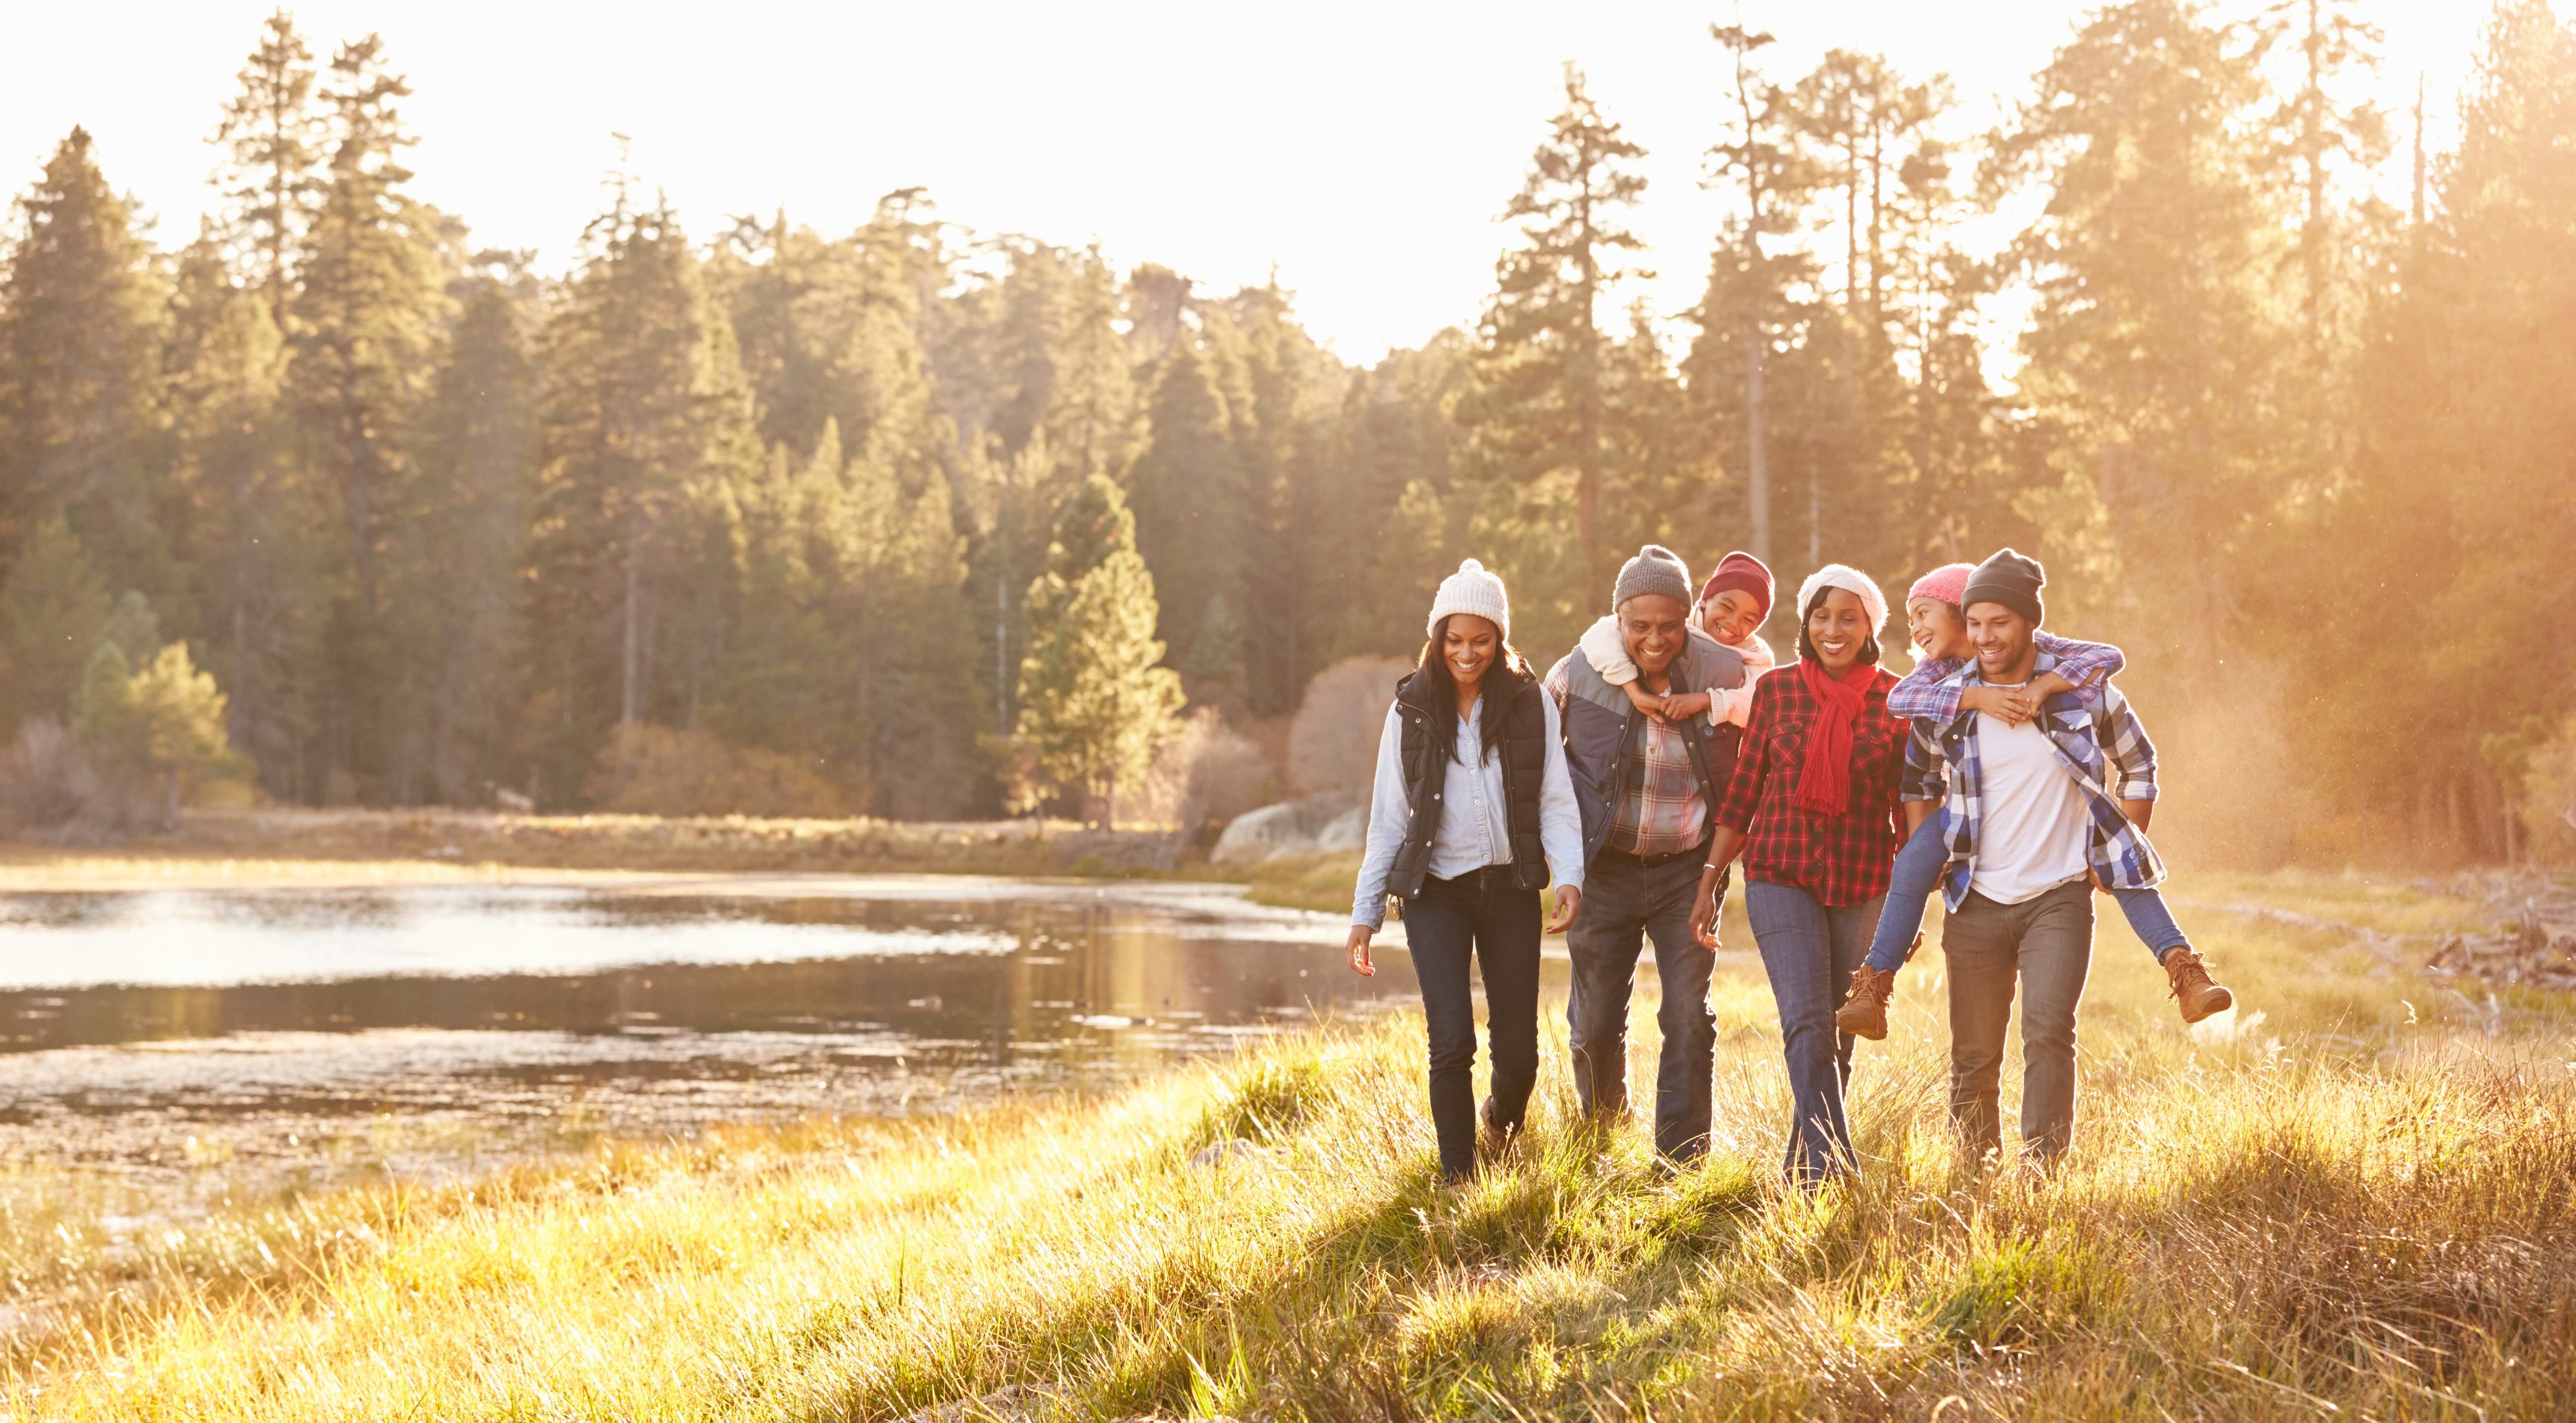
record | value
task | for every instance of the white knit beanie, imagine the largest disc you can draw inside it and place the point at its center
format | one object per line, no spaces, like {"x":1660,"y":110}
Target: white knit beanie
{"x":1472,"y":590}
{"x":1873,"y":601}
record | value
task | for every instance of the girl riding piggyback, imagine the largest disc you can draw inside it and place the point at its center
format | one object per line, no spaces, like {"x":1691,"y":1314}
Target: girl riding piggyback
{"x":1732,"y":604}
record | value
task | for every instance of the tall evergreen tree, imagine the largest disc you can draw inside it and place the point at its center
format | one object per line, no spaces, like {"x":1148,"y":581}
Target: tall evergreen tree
{"x":257,"y":555}
{"x":2457,"y":505}
{"x":645,"y":443}
{"x":1192,"y":496}
{"x":457,"y":554}
{"x":80,"y":381}
{"x":1540,"y":413}
{"x":2154,"y":346}
{"x":1094,"y":703}
{"x":272,"y":139}
{"x":366,"y":330}
{"x":1747,"y":285}
{"x":51,"y":610}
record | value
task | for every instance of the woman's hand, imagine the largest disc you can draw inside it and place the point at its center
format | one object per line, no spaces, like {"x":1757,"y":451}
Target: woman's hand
{"x":2010,"y":705}
{"x":1569,"y":902}
{"x":1359,"y":950}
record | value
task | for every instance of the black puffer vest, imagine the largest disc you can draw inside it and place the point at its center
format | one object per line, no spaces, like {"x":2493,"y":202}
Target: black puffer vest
{"x":1522,"y":745}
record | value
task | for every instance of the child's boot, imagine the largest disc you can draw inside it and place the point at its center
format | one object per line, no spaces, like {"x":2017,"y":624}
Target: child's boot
{"x":1864,"y":1010}
{"x":2193,"y":990}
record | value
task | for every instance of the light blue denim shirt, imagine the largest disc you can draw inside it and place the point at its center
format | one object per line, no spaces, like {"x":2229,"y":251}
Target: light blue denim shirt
{"x":1475,"y":824}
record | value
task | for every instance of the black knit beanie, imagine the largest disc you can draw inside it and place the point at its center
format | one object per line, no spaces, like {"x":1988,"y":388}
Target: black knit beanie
{"x":2011,"y":579}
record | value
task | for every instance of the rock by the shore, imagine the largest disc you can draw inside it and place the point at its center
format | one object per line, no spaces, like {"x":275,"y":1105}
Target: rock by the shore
{"x":1293,"y":827}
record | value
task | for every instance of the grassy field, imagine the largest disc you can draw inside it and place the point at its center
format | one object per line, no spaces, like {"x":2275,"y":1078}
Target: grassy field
{"x":2353,"y":1200}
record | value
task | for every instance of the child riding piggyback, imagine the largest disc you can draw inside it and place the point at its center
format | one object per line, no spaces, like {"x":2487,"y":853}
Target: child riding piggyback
{"x":1732,"y":604}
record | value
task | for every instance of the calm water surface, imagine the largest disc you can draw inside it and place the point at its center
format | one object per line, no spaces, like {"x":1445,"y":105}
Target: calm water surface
{"x":425,"y":1030}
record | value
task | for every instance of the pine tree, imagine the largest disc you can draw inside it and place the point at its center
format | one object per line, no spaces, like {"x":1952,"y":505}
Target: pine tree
{"x":80,"y":381}
{"x":1280,"y":391}
{"x":51,"y":611}
{"x":458,"y":554}
{"x":831,"y":332}
{"x":256,"y":557}
{"x":2153,"y":348}
{"x":1094,"y":704}
{"x":366,"y":329}
{"x":645,"y":446}
{"x":272,"y":140}
{"x":1387,"y":483}
{"x":1191,"y":496}
{"x":1746,"y":284}
{"x":1539,"y":415}
{"x":2457,"y":499}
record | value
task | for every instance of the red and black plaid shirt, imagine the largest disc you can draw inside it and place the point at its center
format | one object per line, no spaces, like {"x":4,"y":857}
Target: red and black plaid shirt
{"x":1840,"y":859}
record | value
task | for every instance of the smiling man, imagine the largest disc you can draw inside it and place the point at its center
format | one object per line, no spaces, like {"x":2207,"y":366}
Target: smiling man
{"x":2038,"y":811}
{"x":1646,"y":788}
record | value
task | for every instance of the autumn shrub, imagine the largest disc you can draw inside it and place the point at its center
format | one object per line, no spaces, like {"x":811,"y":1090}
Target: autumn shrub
{"x":1202,"y":778}
{"x":1332,"y":745}
{"x":658,"y":770}
{"x":50,"y":791}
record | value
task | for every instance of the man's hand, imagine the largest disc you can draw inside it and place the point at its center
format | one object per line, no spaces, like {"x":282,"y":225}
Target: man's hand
{"x":1569,"y":902}
{"x":1359,"y":951}
{"x":1703,"y":922}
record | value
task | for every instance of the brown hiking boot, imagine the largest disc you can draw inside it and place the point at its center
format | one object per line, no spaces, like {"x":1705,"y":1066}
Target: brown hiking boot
{"x":1864,"y":1010}
{"x":1493,"y":1140}
{"x":2192,"y":988}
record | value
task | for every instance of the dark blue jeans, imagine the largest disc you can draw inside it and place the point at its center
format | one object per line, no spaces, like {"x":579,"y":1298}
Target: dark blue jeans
{"x":1918,"y":874}
{"x":1483,"y":915}
{"x":1809,"y":952}
{"x":1624,"y":904}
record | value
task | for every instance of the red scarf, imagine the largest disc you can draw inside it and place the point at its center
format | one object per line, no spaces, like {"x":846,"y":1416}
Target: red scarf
{"x":1824,"y":783}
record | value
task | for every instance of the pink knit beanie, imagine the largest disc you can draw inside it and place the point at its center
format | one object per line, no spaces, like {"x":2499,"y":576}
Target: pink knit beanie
{"x":1946,"y":583}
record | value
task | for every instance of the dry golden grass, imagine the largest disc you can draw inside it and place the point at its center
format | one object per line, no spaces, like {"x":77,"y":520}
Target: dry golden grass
{"x":2361,"y":1204}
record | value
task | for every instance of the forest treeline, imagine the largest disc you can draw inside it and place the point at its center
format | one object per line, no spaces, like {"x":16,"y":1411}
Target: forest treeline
{"x":912,"y":521}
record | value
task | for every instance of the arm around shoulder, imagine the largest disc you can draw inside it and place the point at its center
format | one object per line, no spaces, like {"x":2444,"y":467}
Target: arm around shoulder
{"x":1926,"y":692}
{"x":1600,"y":646}
{"x":2085,"y":666}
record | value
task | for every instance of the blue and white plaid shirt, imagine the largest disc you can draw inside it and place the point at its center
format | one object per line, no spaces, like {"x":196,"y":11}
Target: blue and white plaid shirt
{"x":2105,"y":749}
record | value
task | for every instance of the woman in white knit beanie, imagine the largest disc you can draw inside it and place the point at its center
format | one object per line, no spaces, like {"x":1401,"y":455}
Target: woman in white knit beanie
{"x":1472,"y":814}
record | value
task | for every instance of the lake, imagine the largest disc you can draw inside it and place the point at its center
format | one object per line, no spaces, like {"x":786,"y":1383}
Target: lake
{"x":300,"y":1038}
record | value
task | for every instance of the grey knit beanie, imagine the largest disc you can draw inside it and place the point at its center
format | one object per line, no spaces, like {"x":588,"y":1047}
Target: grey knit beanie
{"x":2011,"y":578}
{"x":1655,"y":569}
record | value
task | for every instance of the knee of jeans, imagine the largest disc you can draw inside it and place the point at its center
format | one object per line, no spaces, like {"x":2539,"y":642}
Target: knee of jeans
{"x":1974,"y":1062}
{"x":2046,"y":1036}
{"x":1453,"y":1051}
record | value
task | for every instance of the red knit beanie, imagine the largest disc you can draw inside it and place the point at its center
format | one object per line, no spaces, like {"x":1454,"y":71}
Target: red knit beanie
{"x":1946,"y":583}
{"x":1744,"y":573}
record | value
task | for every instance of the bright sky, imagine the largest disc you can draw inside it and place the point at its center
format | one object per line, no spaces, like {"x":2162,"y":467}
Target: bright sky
{"x":1363,"y":149}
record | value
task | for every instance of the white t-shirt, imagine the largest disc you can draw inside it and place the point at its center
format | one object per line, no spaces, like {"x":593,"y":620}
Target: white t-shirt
{"x":2036,"y":834}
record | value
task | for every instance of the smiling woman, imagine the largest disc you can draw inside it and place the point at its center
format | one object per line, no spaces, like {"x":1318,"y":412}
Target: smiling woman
{"x":1812,"y":809}
{"x":1473,"y":811}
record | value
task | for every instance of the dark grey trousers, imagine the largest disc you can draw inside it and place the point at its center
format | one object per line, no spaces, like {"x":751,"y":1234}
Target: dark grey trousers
{"x":1624,"y":905}
{"x":2047,"y":944}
